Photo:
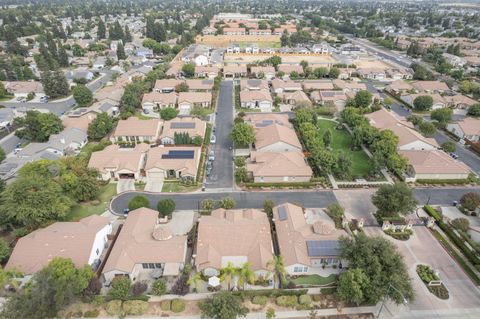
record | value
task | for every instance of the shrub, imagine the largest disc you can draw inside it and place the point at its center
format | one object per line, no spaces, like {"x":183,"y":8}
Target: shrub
{"x":5,"y":250}
{"x":260,"y":300}
{"x":165,"y":305}
{"x":139,"y":288}
{"x":138,"y":202}
{"x":449,"y":146}
{"x":287,"y":301}
{"x":181,"y":287}
{"x":470,"y":200}
{"x":305,"y":300}
{"x":461,"y":224}
{"x":114,"y":307}
{"x":427,"y":129}
{"x":158,"y":287}
{"x":91,"y":313}
{"x":166,"y":206}
{"x":135,"y":307}
{"x":227,"y":203}
{"x":178,"y":305}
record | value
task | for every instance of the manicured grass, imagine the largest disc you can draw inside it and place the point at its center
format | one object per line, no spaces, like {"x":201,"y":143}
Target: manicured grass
{"x":97,"y":207}
{"x":315,"y":280}
{"x":140,"y":116}
{"x":176,"y":187}
{"x":139,"y":186}
{"x":6,"y":98}
{"x":261,"y":44}
{"x":341,"y":141}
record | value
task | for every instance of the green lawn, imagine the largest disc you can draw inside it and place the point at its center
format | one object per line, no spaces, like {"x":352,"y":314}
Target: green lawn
{"x":315,"y":280}
{"x":261,"y":44}
{"x":176,"y":187}
{"x":341,"y":141}
{"x":97,"y":207}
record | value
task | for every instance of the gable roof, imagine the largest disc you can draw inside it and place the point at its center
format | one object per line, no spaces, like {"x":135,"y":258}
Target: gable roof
{"x":188,"y":166}
{"x":275,"y":133}
{"x":191,"y":125}
{"x":133,"y":126}
{"x":434,"y":162}
{"x":275,"y":164}
{"x":115,"y":158}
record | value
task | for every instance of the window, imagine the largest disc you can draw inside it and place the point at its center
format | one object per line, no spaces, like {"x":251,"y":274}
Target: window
{"x":145,"y":266}
{"x":151,"y":266}
{"x":298,"y":269}
{"x":158,"y":266}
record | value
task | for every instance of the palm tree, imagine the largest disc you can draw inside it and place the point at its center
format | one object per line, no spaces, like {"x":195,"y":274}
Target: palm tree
{"x":194,"y":280}
{"x":277,"y":267}
{"x":228,"y":273}
{"x":246,"y":274}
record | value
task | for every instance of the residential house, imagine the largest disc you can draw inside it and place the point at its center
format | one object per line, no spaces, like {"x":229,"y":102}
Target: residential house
{"x":20,"y":89}
{"x":205,"y":85}
{"x":466,"y":129}
{"x":296,"y":98}
{"x":263,"y":71}
{"x":188,"y":100}
{"x":308,"y":240}
{"x":459,"y":101}
{"x":349,"y":86}
{"x":166,"y":85}
{"x":320,"y":48}
{"x":280,"y":86}
{"x":278,"y":167}
{"x":192,"y":126}
{"x":398,"y":87}
{"x":179,"y":162}
{"x":145,"y":249}
{"x":456,"y":61}
{"x":232,"y":71}
{"x":234,"y":237}
{"x":258,"y":120}
{"x":336,"y":98}
{"x":79,"y":122}
{"x":135,"y":130}
{"x":253,"y":85}
{"x":256,"y":99}
{"x":154,"y":101}
{"x":433,"y":164}
{"x":371,"y":73}
{"x":438,"y":101}
{"x":260,"y":32}
{"x":276,"y":138}
{"x":430,"y":87}
{"x":399,"y":73}
{"x":252,"y":48}
{"x":234,"y":31}
{"x":115,"y":162}
{"x":99,"y":63}
{"x":310,"y":85}
{"x":287,"y":69}
{"x":209,"y":72}
{"x":83,"y":242}
{"x":74,"y":75}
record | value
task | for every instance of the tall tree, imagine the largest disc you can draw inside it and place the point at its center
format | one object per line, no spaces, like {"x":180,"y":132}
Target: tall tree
{"x":121,"y":51}
{"x":101,"y":30}
{"x":82,"y":95}
{"x":37,"y":126}
{"x":243,"y":134}
{"x":100,"y":126}
{"x":391,"y":200}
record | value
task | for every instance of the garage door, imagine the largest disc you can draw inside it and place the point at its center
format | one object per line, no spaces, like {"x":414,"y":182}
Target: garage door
{"x":125,"y":176}
{"x":156,"y":175}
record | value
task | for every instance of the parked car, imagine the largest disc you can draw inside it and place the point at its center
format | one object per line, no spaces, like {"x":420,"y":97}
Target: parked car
{"x":455,"y":156}
{"x":213,"y":139}
{"x":44,"y":99}
{"x":208,"y":171}
{"x":211,"y":155}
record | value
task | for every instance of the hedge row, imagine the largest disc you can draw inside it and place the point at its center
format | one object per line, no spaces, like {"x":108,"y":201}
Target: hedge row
{"x":457,"y":257}
{"x":294,"y":185}
{"x":269,"y":293}
{"x":453,"y":237}
{"x":444,"y":181}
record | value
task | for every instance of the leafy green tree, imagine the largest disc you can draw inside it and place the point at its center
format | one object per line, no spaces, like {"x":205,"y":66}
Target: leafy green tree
{"x":474,"y":110}
{"x":227,"y":203}
{"x":270,"y":314}
{"x":334,"y":73}
{"x":449,"y":146}
{"x":168,"y":113}
{"x":363,"y":98}
{"x":351,"y":286}
{"x":245,"y":275}
{"x":241,"y":174}
{"x":121,"y":52}
{"x":207,"y":204}
{"x":277,"y":266}
{"x":427,"y":128}
{"x":268,"y":205}
{"x":101,"y":30}
{"x":3,"y":90}
{"x":343,"y":166}
{"x":37,"y":126}
{"x":2,"y":155}
{"x":138,"y":202}
{"x":222,"y":306}
{"x":51,"y":289}
{"x":100,"y":126}
{"x":243,"y":134}
{"x":120,"y":289}
{"x":381,"y":264}
{"x":423,"y":102}
{"x":320,"y":72}
{"x":443,"y":115}
{"x":189,"y":70}
{"x":82,"y":95}
{"x":395,"y":199}
{"x":5,"y":250}
{"x":55,"y":84}
{"x":327,"y":137}
{"x":461,"y":224}
{"x":166,"y":206}
{"x":470,"y":200}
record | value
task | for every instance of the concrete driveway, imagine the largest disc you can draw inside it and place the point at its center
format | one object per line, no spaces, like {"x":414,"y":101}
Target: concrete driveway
{"x":154,"y":185}
{"x":182,"y":222}
{"x":358,"y":204}
{"x":423,"y":248}
{"x":127,"y":184}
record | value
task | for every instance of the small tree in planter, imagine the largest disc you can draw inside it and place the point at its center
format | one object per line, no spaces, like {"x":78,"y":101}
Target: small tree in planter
{"x":166,"y":207}
{"x":470,"y":201}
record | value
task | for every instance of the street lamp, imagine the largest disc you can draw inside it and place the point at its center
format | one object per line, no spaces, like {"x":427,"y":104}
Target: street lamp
{"x":390,"y":286}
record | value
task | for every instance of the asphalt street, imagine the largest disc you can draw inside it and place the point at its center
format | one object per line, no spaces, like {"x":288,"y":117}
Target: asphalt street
{"x":464,"y":154}
{"x":433,"y":196}
{"x":221,"y":175}
{"x":9,"y":142}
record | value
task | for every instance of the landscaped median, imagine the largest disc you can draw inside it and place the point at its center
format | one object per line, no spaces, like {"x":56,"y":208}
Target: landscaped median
{"x":467,"y":252}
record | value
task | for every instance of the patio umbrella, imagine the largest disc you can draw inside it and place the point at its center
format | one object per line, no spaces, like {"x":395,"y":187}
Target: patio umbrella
{"x":214,"y":281}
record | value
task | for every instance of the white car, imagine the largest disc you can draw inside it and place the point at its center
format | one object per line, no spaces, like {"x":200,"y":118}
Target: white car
{"x":213,"y":139}
{"x":211,"y":155}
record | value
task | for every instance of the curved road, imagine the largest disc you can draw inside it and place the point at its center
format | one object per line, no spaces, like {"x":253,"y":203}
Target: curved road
{"x":255,"y":199}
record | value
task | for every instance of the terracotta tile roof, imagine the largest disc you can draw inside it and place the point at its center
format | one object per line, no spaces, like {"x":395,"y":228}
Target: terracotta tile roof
{"x":275,"y":164}
{"x":199,"y":84}
{"x":167,"y":83}
{"x":318,"y":85}
{"x":253,"y":84}
{"x":72,"y":240}
{"x":194,"y":97}
{"x":80,"y":122}
{"x":115,"y":158}
{"x":349,"y":85}
{"x":285,"y":85}
{"x":136,"y":127}
{"x":297,"y":96}
{"x":191,"y":125}
{"x":430,"y":86}
{"x":234,"y":235}
{"x":235,"y":68}
{"x":253,"y":96}
{"x":329,"y":96}
{"x":188,"y":166}
{"x":434,"y":162}
{"x":264,"y":119}
{"x":459,"y":99}
{"x":262,"y":69}
{"x":470,"y":126}
{"x":399,"y":85}
{"x":24,"y":87}
{"x":275,"y":133}
{"x":136,"y":243}
{"x":289,"y":68}
{"x":162,"y":98}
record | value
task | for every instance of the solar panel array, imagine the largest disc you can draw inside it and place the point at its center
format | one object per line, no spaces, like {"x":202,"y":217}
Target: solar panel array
{"x":282,"y":213}
{"x":183,"y":125}
{"x":264,"y":123}
{"x":179,"y":155}
{"x":319,"y":248}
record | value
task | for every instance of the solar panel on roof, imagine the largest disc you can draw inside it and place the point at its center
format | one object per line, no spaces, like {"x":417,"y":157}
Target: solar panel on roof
{"x":264,"y":123}
{"x":182,"y":125}
{"x":319,"y":248}
{"x":178,"y":154}
{"x":282,"y":213}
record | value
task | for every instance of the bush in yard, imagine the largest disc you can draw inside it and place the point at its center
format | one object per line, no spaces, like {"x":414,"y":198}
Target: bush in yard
{"x":5,"y":250}
{"x":305,"y":300}
{"x":268,"y":207}
{"x":260,"y":300}
{"x":120,"y":288}
{"x":449,"y":146}
{"x":423,"y":102}
{"x":178,"y":305}
{"x":227,"y":203}
{"x":165,"y":305}
{"x":181,"y":287}
{"x":166,"y":206}
{"x":461,"y":224}
{"x":139,"y":288}
{"x":470,"y":200}
{"x":158,"y":287}
{"x":287,"y":301}
{"x":168,"y":113}
{"x":91,"y":313}
{"x":114,"y":307}
{"x":135,"y":307}
{"x":138,"y":202}
{"x":428,"y":129}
